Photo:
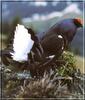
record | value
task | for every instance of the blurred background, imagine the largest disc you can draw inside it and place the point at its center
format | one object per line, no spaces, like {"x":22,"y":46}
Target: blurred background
{"x":40,"y":15}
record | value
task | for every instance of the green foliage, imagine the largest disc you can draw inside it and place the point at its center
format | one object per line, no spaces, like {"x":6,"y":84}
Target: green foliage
{"x":64,"y":82}
{"x":69,"y":67}
{"x":9,"y":27}
{"x":5,"y":27}
{"x":14,"y":22}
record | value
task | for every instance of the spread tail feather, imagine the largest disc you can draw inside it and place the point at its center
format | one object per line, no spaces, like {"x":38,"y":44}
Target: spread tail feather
{"x":22,"y":44}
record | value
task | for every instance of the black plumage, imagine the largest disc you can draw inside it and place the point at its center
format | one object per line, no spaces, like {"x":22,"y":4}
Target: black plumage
{"x":53,"y":42}
{"x":37,"y":48}
{"x":66,"y":28}
{"x":34,"y":55}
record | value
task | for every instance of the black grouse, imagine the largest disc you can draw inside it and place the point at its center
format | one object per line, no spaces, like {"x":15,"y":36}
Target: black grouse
{"x":59,"y":36}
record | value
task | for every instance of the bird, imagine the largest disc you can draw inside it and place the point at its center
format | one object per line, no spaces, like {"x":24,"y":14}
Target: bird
{"x":27,"y":47}
{"x":56,"y":39}
{"x":24,"y":47}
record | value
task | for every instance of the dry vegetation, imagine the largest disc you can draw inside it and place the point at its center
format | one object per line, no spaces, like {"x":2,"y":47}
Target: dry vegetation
{"x":65,"y":82}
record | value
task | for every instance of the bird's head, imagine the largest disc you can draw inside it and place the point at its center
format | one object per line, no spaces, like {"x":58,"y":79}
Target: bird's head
{"x":78,"y":22}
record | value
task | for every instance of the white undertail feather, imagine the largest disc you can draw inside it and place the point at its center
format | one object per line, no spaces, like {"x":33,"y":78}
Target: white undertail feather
{"x":22,"y":44}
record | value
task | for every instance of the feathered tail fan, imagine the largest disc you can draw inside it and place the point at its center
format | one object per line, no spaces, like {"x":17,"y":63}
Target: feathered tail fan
{"x":22,"y":44}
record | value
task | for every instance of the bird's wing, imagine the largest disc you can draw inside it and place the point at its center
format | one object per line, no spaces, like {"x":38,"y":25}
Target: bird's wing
{"x":22,"y":44}
{"x":52,"y":44}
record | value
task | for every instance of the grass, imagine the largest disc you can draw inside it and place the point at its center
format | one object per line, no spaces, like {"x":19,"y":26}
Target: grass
{"x":79,"y":63}
{"x":3,"y":37}
{"x":65,"y":82}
